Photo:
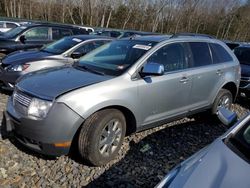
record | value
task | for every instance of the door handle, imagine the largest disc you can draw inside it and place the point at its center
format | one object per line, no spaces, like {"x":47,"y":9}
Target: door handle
{"x":184,"y":80}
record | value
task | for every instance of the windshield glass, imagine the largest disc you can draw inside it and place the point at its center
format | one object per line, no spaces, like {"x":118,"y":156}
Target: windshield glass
{"x":241,"y":140}
{"x":14,"y":32}
{"x":243,"y":55}
{"x":116,"y":57}
{"x":62,"y":45}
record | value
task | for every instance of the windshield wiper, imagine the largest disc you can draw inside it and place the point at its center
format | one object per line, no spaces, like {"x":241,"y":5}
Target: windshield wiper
{"x":90,"y":70}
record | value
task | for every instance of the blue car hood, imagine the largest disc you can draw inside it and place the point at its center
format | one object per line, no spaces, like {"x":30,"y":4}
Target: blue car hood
{"x":218,"y":167}
{"x":51,"y":83}
{"x":22,"y":57}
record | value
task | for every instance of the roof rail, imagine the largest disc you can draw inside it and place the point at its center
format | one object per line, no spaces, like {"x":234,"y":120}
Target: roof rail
{"x":191,"y":35}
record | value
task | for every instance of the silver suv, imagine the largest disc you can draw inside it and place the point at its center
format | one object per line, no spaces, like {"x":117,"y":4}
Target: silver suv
{"x":125,"y":86}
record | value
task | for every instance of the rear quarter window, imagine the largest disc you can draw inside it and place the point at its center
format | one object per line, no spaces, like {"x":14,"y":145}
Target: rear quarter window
{"x":201,"y":54}
{"x":219,"y":54}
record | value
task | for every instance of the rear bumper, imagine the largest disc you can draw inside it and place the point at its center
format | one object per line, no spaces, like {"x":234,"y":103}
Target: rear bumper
{"x":59,"y":126}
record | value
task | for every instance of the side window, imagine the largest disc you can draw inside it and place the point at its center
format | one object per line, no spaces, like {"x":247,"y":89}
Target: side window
{"x":58,"y":33}
{"x":201,"y":54}
{"x":220,"y":55}
{"x":172,"y":57}
{"x":38,"y":33}
{"x":11,"y":25}
{"x":86,"y":48}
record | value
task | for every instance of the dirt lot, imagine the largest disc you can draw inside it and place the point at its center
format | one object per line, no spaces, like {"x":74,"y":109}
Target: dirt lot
{"x":144,"y":159}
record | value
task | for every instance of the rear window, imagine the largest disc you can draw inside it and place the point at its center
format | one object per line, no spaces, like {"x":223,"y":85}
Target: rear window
{"x":243,"y":55}
{"x":201,"y":54}
{"x":219,"y":54}
{"x":11,"y":25}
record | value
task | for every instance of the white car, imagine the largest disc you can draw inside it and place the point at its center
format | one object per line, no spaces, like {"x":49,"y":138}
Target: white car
{"x":8,"y":25}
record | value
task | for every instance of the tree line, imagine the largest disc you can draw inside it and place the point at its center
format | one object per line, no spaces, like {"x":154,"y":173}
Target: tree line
{"x":224,"y":19}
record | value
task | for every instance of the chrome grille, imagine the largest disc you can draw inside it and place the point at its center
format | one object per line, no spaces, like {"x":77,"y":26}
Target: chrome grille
{"x":21,"y":98}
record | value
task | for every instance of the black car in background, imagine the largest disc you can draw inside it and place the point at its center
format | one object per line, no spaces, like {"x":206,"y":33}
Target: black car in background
{"x":116,"y":33}
{"x":243,"y":55}
{"x":34,"y":36}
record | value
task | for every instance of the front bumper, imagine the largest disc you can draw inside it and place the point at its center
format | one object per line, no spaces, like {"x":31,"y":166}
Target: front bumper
{"x":59,"y":126}
{"x":8,"y":79}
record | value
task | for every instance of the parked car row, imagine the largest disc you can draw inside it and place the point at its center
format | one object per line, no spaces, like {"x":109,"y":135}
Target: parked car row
{"x":117,"y":33}
{"x":34,"y":36}
{"x":119,"y":87}
{"x":122,"y":87}
{"x":62,"y":52}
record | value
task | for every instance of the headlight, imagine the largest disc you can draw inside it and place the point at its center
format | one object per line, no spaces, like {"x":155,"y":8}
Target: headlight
{"x":39,"y":108}
{"x":18,"y":68}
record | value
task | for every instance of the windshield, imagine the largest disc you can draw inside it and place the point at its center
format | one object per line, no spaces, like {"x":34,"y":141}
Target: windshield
{"x":116,"y":57}
{"x":243,"y":55}
{"x":62,"y":45}
{"x":241,"y":140}
{"x":14,"y":32}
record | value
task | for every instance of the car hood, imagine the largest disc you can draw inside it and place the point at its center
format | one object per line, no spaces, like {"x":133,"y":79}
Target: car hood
{"x":22,"y":57}
{"x":51,"y":83}
{"x":219,"y":167}
{"x":245,"y":70}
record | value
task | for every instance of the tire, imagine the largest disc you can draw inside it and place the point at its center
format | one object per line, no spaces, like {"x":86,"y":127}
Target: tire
{"x":223,"y":99}
{"x":97,"y":143}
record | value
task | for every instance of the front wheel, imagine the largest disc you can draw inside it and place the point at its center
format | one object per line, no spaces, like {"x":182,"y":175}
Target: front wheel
{"x":101,"y":136}
{"x":224,"y":99}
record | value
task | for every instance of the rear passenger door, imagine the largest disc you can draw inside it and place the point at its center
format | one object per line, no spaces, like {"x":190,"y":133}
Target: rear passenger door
{"x":205,"y":75}
{"x":166,"y":96}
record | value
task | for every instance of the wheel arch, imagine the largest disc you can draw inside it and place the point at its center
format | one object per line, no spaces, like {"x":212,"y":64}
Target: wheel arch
{"x":231,"y":86}
{"x":131,"y":124}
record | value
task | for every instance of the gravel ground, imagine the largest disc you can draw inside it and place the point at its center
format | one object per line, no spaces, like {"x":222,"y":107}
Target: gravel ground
{"x":143,"y":161}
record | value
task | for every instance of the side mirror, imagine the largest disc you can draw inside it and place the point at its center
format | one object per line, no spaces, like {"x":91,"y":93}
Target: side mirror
{"x":22,"y":39}
{"x":227,"y":117}
{"x":76,"y":55}
{"x":152,"y":69}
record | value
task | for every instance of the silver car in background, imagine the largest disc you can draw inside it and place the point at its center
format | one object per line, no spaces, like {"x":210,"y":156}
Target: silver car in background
{"x":62,"y":52}
{"x":223,"y":164}
{"x":125,"y":86}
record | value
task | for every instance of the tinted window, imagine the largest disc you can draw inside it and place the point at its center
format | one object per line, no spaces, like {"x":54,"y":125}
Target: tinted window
{"x":11,"y":25}
{"x":58,"y":33}
{"x":86,"y":48}
{"x":38,"y":33}
{"x":241,"y":140}
{"x":171,"y":56}
{"x":219,"y":54}
{"x":1,"y":24}
{"x":201,"y":54}
{"x":14,"y":32}
{"x":243,"y":55}
{"x":62,"y":45}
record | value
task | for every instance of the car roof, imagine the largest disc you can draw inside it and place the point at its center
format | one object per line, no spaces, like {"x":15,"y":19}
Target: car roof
{"x":89,"y":37}
{"x":150,"y":38}
{"x":32,"y":24}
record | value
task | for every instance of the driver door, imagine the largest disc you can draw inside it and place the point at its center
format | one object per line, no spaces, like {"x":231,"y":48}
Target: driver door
{"x":166,"y":96}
